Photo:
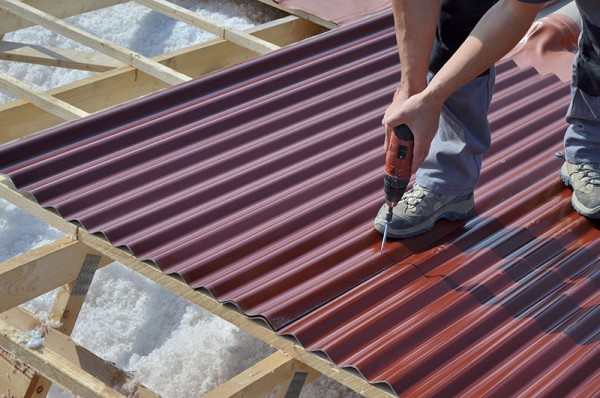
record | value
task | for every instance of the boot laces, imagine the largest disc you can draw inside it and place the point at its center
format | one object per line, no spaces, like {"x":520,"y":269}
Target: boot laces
{"x":415,"y":196}
{"x":590,"y":173}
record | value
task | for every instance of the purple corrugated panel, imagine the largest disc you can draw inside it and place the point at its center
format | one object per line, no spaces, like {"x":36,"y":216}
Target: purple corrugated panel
{"x":260,"y":184}
{"x":249,"y":189}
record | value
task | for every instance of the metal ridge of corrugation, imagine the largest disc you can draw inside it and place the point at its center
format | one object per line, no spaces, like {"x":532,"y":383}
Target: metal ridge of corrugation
{"x":259,"y":184}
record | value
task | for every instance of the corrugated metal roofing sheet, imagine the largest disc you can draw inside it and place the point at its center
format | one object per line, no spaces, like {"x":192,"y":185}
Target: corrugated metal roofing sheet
{"x":260,"y":184}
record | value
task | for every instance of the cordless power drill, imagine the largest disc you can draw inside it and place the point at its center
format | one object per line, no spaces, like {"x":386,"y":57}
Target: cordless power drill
{"x":397,"y":171}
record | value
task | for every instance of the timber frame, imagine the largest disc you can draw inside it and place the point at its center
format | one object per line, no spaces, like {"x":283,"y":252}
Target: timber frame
{"x":124,"y":74}
{"x":69,"y":263}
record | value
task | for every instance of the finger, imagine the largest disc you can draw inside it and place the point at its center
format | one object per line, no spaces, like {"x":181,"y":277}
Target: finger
{"x":388,"y":132}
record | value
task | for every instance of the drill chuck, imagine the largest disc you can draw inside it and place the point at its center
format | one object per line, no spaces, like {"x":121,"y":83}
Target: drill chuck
{"x":393,"y":189}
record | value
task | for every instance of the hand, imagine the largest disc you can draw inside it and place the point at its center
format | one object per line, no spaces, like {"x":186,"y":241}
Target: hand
{"x":399,"y":97}
{"x":421,"y":114}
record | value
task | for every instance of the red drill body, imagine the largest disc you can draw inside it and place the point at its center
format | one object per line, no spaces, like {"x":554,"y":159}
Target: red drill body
{"x":397,"y":171}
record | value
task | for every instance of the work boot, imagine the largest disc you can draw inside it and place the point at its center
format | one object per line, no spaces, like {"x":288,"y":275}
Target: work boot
{"x":420,"y":208}
{"x":584,"y":178}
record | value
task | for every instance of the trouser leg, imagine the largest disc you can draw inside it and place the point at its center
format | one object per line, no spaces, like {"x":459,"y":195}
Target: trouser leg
{"x":453,"y":164}
{"x":582,"y":138}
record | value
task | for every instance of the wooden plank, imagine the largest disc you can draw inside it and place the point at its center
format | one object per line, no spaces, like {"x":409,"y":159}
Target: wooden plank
{"x":63,"y":315}
{"x":60,"y":9}
{"x":277,"y":376}
{"x":54,"y":366}
{"x":39,"y":387}
{"x":65,"y":311}
{"x":113,"y":50}
{"x":67,"y":305}
{"x":73,"y":354}
{"x":14,"y":377}
{"x":39,"y":98}
{"x":253,"y":327}
{"x":240,"y":38}
{"x":20,"y":118}
{"x":41,"y":270}
{"x":59,"y":57}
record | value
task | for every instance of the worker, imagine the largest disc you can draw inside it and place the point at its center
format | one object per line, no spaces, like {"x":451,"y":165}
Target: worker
{"x":447,"y":52}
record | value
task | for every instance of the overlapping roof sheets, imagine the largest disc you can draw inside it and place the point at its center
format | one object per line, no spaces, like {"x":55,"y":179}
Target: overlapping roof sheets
{"x":260,"y":184}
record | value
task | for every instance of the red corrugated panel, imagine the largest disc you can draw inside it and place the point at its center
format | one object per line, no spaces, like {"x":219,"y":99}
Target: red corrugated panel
{"x":260,"y":184}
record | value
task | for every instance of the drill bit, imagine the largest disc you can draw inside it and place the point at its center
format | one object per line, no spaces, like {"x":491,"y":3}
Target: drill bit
{"x":388,"y":221}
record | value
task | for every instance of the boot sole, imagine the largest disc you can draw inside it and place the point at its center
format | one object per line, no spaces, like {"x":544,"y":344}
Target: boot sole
{"x":453,"y":212}
{"x":577,"y":205}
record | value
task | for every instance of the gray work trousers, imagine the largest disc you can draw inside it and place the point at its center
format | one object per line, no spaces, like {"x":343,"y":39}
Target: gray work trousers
{"x":582,"y":139}
{"x":454,"y":160}
{"x":453,"y":164}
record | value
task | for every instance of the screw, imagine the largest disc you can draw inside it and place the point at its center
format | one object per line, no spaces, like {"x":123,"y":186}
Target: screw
{"x":40,"y":389}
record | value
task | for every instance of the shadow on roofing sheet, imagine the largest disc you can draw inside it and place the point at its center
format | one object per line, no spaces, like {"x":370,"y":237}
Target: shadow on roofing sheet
{"x":492,"y":296}
{"x":529,"y":253}
{"x":551,"y":278}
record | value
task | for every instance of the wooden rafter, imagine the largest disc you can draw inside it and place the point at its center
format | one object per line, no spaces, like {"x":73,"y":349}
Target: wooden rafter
{"x":15,"y":378}
{"x":113,"y":50}
{"x":277,"y":376}
{"x":41,"y":270}
{"x":61,"y":360}
{"x":65,"y":311}
{"x":41,"y":99}
{"x":240,"y":38}
{"x":113,"y":87}
{"x":60,"y":9}
{"x":60,"y":57}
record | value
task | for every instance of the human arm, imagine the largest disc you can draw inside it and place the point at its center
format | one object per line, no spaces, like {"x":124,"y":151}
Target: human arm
{"x":495,"y":34}
{"x":415,"y":26}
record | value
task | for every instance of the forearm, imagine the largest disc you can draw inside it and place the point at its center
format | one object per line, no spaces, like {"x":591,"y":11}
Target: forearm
{"x":498,"y":32}
{"x":416,"y":23}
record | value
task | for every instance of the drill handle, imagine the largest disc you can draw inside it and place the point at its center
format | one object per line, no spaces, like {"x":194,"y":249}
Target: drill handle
{"x":399,"y":153}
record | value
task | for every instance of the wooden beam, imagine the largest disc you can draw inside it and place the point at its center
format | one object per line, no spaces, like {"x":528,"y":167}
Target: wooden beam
{"x":65,"y":311}
{"x":14,"y":377}
{"x":113,"y":50}
{"x":41,"y":270}
{"x":20,"y":118}
{"x":59,"y":57}
{"x":254,"y":328}
{"x":240,"y":38}
{"x":60,"y":9}
{"x":277,"y":376}
{"x":39,"y":98}
{"x":54,"y":366}
{"x":70,"y":297}
{"x":72,"y":355}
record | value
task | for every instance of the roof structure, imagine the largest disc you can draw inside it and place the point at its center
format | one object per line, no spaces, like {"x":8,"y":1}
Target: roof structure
{"x":259,"y":184}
